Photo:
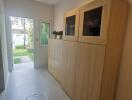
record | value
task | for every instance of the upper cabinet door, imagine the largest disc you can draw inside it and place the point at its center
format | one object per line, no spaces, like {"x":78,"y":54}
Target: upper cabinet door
{"x":71,"y":22}
{"x":94,"y":19}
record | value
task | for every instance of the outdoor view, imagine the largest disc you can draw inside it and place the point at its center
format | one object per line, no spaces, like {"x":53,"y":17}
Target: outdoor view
{"x":22,"y":34}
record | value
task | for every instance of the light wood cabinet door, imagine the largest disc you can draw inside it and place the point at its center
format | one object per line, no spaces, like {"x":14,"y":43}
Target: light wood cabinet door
{"x":58,"y":60}
{"x":51,"y":55}
{"x":69,"y":54}
{"x":88,"y":72}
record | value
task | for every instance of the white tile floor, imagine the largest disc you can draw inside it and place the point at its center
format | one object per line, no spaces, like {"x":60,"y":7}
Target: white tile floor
{"x":23,"y":66}
{"x":30,"y":84}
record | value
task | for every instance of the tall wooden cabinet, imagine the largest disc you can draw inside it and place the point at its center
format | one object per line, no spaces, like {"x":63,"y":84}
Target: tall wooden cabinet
{"x":69,"y":55}
{"x":51,"y":55}
{"x":58,"y":61}
{"x":62,"y":62}
{"x":88,"y":67}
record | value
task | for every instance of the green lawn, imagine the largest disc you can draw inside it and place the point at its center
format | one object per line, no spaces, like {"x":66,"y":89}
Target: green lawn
{"x":17,"y":61}
{"x":17,"y":53}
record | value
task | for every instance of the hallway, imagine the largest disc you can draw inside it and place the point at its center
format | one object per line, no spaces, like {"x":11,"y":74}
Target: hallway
{"x":31,"y":84}
{"x":23,"y":66}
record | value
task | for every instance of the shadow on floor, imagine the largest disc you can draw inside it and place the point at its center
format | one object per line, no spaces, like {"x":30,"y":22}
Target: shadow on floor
{"x":1,"y":91}
{"x":2,"y":94}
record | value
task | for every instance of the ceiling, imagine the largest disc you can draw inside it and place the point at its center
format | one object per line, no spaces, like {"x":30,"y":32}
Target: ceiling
{"x":51,"y":2}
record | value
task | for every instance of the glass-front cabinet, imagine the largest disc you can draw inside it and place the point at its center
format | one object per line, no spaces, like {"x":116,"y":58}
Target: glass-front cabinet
{"x":94,"y":22}
{"x":88,"y":23}
{"x":70,"y":25}
{"x":71,"y":22}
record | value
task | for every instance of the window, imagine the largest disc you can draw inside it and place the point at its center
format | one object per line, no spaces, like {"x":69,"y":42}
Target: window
{"x":44,"y":33}
{"x":92,"y":22}
{"x":70,"y":25}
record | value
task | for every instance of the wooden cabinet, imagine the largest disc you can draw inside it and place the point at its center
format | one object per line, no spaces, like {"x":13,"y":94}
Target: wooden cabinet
{"x":71,"y":22}
{"x":59,"y":59}
{"x":69,"y":52}
{"x":56,"y":59}
{"x":87,"y":65}
{"x":51,"y":52}
{"x":94,"y":21}
{"x":88,"y":23}
{"x":62,"y":62}
{"x":100,"y":84}
{"x":88,"y":72}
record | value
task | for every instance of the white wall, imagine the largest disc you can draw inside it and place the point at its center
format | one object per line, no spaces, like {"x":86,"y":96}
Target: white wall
{"x":124,"y":91}
{"x":3,"y":48}
{"x":62,"y":7}
{"x":37,"y":11}
{"x":2,"y":85}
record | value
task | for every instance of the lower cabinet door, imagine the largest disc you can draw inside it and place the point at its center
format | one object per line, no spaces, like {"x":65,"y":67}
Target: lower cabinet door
{"x":88,"y":71}
{"x":58,"y":60}
{"x":69,"y":54}
{"x":51,"y":53}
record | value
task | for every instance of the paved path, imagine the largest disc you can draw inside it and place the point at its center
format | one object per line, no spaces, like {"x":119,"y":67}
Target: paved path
{"x":25,"y":59}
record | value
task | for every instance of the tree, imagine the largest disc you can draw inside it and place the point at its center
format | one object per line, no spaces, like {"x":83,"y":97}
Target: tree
{"x":29,"y":30}
{"x":23,"y":26}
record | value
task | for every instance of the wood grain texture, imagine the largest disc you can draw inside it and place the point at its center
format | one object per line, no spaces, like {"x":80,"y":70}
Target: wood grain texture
{"x":116,"y":33}
{"x":90,"y":66}
{"x":51,"y":56}
{"x":58,"y":61}
{"x":62,"y":59}
{"x":68,"y":14}
{"x":69,"y":52}
{"x":88,"y":72}
{"x":102,"y":39}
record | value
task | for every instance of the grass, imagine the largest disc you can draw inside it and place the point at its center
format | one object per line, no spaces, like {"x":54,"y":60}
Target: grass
{"x":17,"y":53}
{"x":17,"y":60}
{"x":22,"y":52}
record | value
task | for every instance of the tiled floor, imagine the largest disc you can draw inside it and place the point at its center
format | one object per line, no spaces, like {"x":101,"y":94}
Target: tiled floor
{"x":30,"y":84}
{"x":23,"y":66}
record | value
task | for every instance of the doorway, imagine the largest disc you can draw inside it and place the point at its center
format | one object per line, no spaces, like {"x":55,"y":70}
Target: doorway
{"x":22,"y":42}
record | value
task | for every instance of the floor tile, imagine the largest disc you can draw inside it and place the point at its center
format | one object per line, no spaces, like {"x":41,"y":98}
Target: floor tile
{"x":31,"y":84}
